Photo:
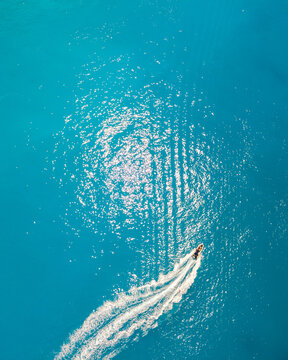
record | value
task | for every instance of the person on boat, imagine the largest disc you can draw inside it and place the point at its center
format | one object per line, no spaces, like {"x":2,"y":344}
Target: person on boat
{"x":198,"y":251}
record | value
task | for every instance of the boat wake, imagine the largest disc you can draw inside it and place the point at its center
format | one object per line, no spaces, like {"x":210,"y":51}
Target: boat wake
{"x":109,"y":329}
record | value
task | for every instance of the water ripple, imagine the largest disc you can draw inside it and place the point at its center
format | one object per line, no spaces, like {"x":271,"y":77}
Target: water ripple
{"x":139,"y":161}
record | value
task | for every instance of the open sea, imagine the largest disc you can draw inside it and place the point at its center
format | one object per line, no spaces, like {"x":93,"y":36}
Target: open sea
{"x":131,"y":132}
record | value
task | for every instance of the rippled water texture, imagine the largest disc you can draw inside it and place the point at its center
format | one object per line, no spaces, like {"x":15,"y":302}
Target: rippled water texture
{"x":139,"y":162}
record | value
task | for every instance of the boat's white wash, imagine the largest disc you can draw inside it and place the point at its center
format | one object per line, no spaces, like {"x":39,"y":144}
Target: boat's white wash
{"x":108,"y":329}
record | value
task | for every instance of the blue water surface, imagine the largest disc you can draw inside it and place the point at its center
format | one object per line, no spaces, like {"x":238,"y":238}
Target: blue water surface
{"x":131,"y":132}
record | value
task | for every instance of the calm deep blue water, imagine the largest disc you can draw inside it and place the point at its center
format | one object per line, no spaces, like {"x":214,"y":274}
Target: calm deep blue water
{"x":131,"y":132}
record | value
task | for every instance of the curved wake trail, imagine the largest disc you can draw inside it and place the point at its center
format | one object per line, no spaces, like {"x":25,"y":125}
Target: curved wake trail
{"x":108,"y":329}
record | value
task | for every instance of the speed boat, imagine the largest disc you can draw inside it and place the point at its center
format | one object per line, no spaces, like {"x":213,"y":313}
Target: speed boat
{"x":198,"y":251}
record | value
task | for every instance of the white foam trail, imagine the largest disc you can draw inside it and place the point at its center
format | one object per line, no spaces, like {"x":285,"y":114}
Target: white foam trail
{"x":108,"y":329}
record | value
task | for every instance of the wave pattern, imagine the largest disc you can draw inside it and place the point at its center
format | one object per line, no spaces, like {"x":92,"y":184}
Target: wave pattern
{"x":137,"y":155}
{"x":108,"y":330}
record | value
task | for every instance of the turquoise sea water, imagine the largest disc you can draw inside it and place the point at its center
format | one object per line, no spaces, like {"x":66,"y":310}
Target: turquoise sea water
{"x":130,"y":133}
